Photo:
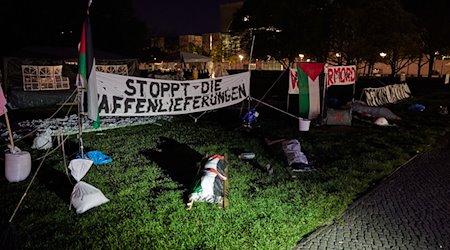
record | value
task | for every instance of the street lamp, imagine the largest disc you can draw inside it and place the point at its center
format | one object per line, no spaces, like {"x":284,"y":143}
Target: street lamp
{"x":241,"y":57}
{"x":383,"y":55}
{"x":442,"y":65}
{"x":338,"y":56}
{"x":301,"y":56}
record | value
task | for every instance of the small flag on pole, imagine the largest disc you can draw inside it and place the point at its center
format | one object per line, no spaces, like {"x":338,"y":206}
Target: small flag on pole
{"x":86,"y":71}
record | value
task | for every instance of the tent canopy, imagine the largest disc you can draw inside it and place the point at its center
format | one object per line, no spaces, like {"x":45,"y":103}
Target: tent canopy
{"x":187,"y":57}
{"x":67,"y":57}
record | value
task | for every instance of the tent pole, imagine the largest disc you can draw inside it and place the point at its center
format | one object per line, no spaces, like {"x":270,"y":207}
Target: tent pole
{"x":80,"y":117}
{"x":324,"y":92}
{"x":354,"y":90}
{"x":251,"y":52}
{"x":287,"y":102}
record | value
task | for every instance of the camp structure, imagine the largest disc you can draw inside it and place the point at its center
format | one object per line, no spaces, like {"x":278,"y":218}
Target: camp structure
{"x":310,"y":82}
{"x":187,"y":57}
{"x":43,"y":76}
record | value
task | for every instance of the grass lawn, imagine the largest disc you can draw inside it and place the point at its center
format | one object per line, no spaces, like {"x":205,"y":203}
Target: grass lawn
{"x":154,"y":167}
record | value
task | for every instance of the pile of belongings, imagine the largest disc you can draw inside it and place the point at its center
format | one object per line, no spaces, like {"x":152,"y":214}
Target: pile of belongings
{"x":249,"y":118}
{"x":376,"y":115}
{"x":43,"y":140}
{"x":210,"y":186}
{"x":296,"y":159}
{"x":84,"y":196}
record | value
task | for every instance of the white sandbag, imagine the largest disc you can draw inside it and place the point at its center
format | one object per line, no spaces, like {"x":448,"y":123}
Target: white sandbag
{"x":79,"y":168}
{"x":43,"y":140}
{"x":85,"y":196}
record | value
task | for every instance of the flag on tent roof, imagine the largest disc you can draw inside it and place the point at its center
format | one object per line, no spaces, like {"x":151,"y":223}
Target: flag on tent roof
{"x":309,"y":89}
{"x":86,"y":71}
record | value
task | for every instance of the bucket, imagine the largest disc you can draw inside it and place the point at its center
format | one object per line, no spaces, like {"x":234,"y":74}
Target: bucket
{"x":17,"y":166}
{"x":304,"y":124}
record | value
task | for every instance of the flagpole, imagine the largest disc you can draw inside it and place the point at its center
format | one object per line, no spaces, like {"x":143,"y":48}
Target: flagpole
{"x":80,"y":119}
{"x":324,"y":97}
{"x":82,"y":80}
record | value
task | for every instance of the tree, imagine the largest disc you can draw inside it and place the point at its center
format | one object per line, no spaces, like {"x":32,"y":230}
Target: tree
{"x":360,"y":30}
{"x":347,"y":34}
{"x":283,"y":29}
{"x":433,"y":19}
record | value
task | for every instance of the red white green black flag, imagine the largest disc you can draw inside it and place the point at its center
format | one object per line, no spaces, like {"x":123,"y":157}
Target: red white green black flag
{"x":86,"y":71}
{"x":309,"y":89}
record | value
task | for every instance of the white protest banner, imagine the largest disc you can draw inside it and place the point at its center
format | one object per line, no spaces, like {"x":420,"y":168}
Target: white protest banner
{"x":340,"y":75}
{"x":293,"y":81}
{"x":135,"y":96}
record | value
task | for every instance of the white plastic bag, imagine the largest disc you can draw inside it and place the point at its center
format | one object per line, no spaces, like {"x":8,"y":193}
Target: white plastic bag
{"x":43,"y":140}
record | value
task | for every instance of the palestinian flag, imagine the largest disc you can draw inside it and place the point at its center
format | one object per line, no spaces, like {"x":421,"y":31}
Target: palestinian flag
{"x":86,"y":71}
{"x":309,"y":89}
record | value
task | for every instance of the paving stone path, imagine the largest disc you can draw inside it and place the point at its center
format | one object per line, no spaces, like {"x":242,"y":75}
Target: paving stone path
{"x":408,"y":210}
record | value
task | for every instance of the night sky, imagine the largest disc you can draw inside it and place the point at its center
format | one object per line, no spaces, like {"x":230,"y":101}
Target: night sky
{"x":181,"y":16}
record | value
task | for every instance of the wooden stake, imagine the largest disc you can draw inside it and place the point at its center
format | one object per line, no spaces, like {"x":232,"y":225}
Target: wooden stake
{"x":9,"y":131}
{"x":225,"y":201}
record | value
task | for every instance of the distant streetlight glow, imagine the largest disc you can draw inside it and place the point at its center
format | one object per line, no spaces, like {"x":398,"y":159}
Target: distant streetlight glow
{"x":338,"y":54}
{"x":383,"y":55}
{"x":301,"y":56}
{"x":241,"y":57}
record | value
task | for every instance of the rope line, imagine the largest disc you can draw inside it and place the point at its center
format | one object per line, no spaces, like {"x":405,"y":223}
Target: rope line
{"x":277,"y":109}
{"x":34,"y":130}
{"x":267,"y":92}
{"x":31,"y":182}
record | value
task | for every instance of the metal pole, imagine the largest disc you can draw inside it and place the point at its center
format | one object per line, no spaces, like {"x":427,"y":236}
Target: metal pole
{"x":251,"y":52}
{"x":80,"y":119}
{"x":287,"y":102}
{"x":325,"y":87}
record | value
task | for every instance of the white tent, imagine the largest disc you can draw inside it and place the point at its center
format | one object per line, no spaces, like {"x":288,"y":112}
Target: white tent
{"x":193,"y":58}
{"x":187,"y":57}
